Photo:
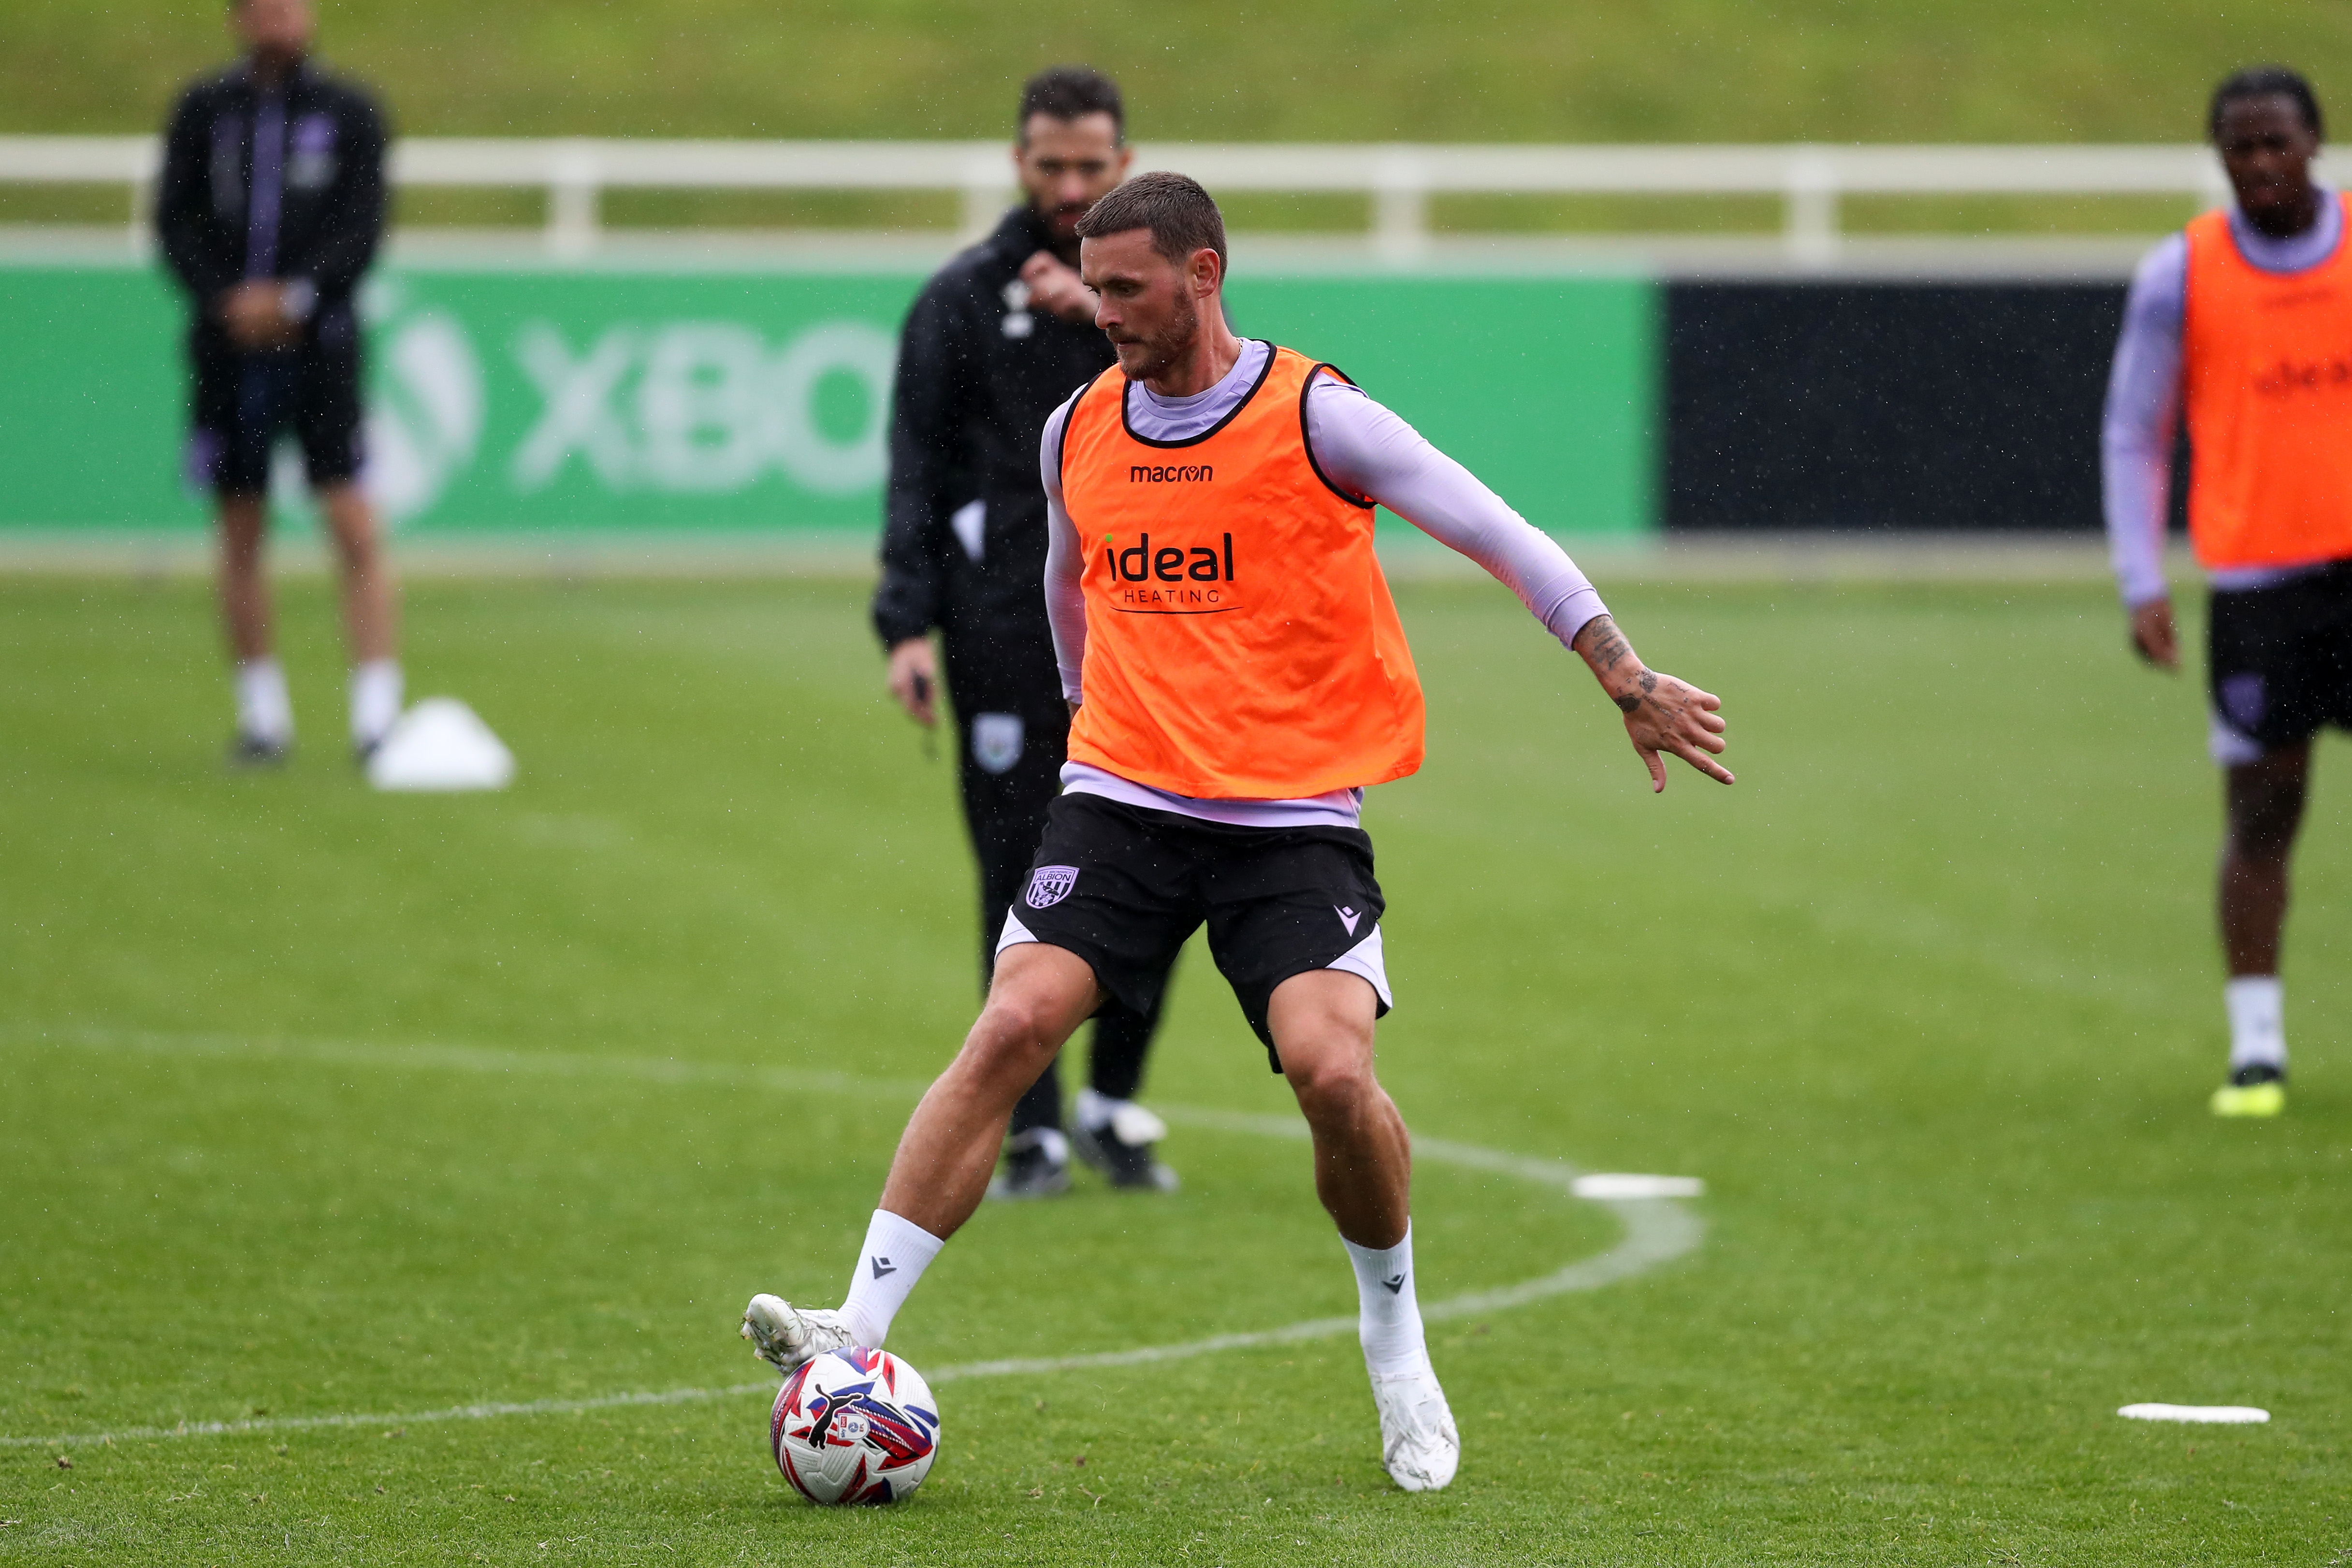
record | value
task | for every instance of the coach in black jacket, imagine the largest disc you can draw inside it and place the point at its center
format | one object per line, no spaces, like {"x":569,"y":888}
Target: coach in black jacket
{"x":1000,"y":336}
{"x":270,"y":211}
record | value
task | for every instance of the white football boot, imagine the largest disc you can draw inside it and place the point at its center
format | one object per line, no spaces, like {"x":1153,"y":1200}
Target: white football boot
{"x":784,"y":1336}
{"x":1419,"y":1446}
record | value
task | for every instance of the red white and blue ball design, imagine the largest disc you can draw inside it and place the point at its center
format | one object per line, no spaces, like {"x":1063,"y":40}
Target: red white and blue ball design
{"x":855,"y":1426}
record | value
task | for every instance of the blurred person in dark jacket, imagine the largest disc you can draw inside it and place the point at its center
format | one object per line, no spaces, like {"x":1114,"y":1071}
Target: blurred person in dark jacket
{"x":998,"y":339}
{"x":269,"y":212}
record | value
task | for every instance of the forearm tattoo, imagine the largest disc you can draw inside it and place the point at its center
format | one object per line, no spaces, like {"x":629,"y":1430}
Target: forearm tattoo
{"x":1609,"y":646}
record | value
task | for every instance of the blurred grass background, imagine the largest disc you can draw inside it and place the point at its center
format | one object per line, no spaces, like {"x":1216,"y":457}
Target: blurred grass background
{"x":1503,"y":70}
{"x":1495,"y":70}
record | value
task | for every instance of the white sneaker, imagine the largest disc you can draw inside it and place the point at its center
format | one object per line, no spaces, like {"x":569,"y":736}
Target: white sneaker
{"x":1417,"y":1443}
{"x":784,"y":1336}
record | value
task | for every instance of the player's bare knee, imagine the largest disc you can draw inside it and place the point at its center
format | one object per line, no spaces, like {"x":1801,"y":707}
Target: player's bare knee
{"x":2265,"y":801}
{"x":360,"y":548}
{"x":1332,"y":1085}
{"x":1015,"y":1033}
{"x":243,"y":525}
{"x":2262,"y":822}
{"x":2262,"y":844}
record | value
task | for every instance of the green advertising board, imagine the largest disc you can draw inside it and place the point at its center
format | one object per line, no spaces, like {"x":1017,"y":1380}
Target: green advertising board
{"x":1544,"y":388}
{"x":592,"y":400}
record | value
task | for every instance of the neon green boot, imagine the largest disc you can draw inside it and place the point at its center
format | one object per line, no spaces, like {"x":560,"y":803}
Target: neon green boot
{"x":2257,"y":1089}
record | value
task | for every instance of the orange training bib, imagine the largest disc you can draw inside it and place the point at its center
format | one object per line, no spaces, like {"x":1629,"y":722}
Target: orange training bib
{"x":1241,"y":643}
{"x":2267,"y":368}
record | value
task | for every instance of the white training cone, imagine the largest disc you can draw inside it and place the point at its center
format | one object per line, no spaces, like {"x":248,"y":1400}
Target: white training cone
{"x":441,"y":744}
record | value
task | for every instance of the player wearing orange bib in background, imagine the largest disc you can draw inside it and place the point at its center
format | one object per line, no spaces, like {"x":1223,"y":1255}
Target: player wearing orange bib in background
{"x":2244,"y":323}
{"x":1239,"y":675}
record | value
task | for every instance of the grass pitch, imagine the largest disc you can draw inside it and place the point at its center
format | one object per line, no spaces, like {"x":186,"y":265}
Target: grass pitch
{"x":1316,"y":70}
{"x":315,"y":1103}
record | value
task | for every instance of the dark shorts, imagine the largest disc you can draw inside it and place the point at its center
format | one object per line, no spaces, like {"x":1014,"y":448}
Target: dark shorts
{"x":2279,"y":663}
{"x":1124,"y":888}
{"x":244,"y":403}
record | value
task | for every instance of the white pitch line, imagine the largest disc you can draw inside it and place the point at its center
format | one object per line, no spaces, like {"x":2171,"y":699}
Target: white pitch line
{"x":2220,"y":1414}
{"x":473,"y":1059}
{"x":412,"y":1418}
{"x":1657,"y":1228}
{"x":1602,"y":1186}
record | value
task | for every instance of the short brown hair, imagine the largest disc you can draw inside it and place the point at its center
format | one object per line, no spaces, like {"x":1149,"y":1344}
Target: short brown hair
{"x":1071,"y":92}
{"x":1182,"y":217}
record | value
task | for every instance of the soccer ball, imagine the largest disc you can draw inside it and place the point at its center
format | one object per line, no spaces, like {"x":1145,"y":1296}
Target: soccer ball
{"x":855,"y":1425}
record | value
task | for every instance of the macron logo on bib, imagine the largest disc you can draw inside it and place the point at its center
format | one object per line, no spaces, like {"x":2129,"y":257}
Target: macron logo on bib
{"x":1169,"y":473}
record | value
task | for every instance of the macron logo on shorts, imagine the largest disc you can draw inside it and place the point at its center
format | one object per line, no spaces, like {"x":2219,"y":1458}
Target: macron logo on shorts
{"x":1347,"y":918}
{"x":1049,"y":884}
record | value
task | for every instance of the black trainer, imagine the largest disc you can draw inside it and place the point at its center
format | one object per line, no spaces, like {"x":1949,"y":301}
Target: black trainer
{"x":1125,"y":1164}
{"x":249,"y":750}
{"x":1034,"y":1167}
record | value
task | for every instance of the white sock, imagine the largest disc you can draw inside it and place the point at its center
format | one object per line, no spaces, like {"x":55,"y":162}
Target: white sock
{"x":264,"y":711}
{"x":375,"y":700}
{"x":2257,"y":1022}
{"x":896,"y":1253}
{"x":1053,"y":1139}
{"x":1388,"y":1307}
{"x":1096,"y":1112}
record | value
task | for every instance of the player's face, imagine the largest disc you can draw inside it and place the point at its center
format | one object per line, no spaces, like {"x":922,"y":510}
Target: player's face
{"x":1068,"y":165}
{"x":1150,"y":306}
{"x":2268,"y":149}
{"x":281,"y":28}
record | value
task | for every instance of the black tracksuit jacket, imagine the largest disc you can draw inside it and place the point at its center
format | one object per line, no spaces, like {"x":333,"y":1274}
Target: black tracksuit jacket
{"x":978,"y":375}
{"x":331,"y":210}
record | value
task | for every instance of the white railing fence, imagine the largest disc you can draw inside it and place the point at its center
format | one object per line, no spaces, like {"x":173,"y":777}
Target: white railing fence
{"x":1810,"y":181}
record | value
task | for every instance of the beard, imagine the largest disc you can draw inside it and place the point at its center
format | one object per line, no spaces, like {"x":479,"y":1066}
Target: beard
{"x":1153,"y":356}
{"x":1062,"y":221}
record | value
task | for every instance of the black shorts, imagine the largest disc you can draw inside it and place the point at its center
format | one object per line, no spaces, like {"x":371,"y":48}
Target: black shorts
{"x":1124,"y":888}
{"x":2280,"y":662}
{"x":244,"y":401}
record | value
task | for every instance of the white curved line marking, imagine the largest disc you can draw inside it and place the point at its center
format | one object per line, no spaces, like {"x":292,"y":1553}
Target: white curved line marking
{"x":2224,"y":1415}
{"x":1657,"y":1228}
{"x":1602,"y":1186}
{"x":411,"y":1418}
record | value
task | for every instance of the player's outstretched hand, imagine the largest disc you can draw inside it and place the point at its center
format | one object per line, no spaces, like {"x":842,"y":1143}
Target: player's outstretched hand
{"x":2153,"y":637}
{"x":1662,"y":714}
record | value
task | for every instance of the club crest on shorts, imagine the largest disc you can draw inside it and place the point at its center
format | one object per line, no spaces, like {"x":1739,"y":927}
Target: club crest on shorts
{"x":2243,"y":699}
{"x":996,"y":740}
{"x":1049,"y":884}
